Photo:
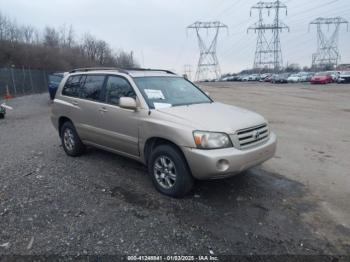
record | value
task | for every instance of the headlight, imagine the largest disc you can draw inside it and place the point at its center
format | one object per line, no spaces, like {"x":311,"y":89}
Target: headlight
{"x":211,"y":140}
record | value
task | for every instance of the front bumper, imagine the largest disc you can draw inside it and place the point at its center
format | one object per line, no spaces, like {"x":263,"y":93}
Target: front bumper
{"x":220,"y":163}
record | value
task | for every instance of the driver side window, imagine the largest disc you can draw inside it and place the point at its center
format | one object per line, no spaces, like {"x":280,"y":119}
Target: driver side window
{"x":116,"y":88}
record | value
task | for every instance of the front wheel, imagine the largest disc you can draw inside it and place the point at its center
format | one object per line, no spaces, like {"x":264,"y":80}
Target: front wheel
{"x":169,"y":171}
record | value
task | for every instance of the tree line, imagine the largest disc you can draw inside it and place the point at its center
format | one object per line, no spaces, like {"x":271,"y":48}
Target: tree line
{"x":59,"y":49}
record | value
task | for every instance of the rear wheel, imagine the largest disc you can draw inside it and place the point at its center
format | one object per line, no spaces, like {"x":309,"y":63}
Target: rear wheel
{"x":169,"y":171}
{"x":71,"y":142}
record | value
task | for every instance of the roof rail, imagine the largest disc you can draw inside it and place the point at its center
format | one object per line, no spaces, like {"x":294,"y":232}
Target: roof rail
{"x":87,"y":69}
{"x":148,"y":69}
{"x":122,"y":70}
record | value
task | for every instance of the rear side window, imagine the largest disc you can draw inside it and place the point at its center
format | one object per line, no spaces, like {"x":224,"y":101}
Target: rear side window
{"x":92,"y":87}
{"x":116,"y":88}
{"x":72,"y":86}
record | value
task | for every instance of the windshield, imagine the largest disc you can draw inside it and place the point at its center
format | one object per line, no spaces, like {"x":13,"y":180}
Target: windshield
{"x":160,"y":92}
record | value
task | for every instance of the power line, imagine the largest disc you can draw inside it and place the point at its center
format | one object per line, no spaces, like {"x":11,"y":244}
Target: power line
{"x":226,"y":10}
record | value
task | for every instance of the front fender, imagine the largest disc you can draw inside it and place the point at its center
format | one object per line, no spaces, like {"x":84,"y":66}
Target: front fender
{"x":177,"y":133}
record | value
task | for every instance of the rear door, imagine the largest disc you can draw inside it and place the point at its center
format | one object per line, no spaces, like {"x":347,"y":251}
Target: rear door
{"x":120,"y":126}
{"x":69,"y":100}
{"x":90,"y":103}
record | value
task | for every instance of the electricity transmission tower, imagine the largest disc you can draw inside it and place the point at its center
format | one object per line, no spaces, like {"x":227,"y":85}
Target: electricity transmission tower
{"x":188,"y":71}
{"x":327,"y":55}
{"x":268,"y":53}
{"x":208,"y":64}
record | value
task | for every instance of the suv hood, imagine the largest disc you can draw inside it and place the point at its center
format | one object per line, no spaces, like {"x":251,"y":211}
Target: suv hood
{"x":215,"y":117}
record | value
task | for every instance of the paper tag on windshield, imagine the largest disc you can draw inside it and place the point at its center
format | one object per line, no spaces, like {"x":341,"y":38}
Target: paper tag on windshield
{"x":161,"y":105}
{"x":154,"y":94}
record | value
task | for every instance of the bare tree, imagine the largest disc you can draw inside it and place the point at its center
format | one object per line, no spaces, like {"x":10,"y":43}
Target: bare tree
{"x":70,"y":36}
{"x":51,"y":37}
{"x":28,"y":34}
{"x":54,"y":49}
{"x":125,"y":60}
{"x":104,"y":52}
{"x":90,"y":46}
{"x":3,"y":27}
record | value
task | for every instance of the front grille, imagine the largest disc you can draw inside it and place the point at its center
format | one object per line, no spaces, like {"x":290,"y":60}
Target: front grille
{"x":253,"y":136}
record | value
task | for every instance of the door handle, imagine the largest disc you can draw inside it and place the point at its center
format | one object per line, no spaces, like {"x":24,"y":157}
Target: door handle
{"x":103,"y":109}
{"x":75,"y":102}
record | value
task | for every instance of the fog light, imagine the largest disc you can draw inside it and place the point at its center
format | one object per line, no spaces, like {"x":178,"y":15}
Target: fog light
{"x":222,"y":165}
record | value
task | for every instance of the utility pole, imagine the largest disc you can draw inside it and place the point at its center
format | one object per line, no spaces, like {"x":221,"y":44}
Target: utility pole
{"x":327,"y":55}
{"x":268,"y":53}
{"x":208,"y":64}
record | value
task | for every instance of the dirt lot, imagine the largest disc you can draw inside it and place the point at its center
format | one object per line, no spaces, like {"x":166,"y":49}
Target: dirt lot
{"x":100,"y":203}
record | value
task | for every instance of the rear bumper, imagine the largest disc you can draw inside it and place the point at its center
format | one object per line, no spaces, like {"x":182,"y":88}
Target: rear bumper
{"x":220,"y":163}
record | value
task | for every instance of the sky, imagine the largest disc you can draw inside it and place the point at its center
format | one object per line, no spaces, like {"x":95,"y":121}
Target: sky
{"x":155,"y":30}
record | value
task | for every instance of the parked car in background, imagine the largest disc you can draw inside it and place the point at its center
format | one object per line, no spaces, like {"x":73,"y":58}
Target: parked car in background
{"x":321,"y":78}
{"x":263,"y":77}
{"x":334,"y":75}
{"x":245,"y":78}
{"x":344,"y":77}
{"x":148,"y":115}
{"x":270,"y":77}
{"x":293,"y":78}
{"x":281,"y":78}
{"x":54,"y":81}
{"x":254,"y":77}
{"x":225,"y":79}
{"x":234,"y":78}
{"x":239,"y":78}
{"x":306,"y":77}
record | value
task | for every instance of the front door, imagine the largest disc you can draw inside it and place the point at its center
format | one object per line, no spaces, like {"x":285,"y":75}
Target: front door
{"x":120,"y":126}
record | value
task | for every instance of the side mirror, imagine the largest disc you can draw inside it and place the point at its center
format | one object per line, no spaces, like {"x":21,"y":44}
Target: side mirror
{"x":127,"y":103}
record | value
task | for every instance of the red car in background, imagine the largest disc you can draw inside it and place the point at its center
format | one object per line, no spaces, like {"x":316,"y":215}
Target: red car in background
{"x":321,"y":78}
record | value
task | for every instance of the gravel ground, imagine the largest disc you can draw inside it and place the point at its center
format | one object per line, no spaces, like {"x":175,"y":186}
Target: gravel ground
{"x":102,"y":203}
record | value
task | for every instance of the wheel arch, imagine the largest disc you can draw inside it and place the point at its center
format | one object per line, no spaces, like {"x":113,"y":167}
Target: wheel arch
{"x":152,"y":142}
{"x":61,"y":121}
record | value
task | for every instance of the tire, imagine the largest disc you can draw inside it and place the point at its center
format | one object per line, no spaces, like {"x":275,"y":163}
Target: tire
{"x":179,"y":175}
{"x":2,"y":116}
{"x":71,"y":142}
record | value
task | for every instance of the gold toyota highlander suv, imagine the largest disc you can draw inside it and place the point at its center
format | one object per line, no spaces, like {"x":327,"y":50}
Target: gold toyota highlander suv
{"x":161,"y":120}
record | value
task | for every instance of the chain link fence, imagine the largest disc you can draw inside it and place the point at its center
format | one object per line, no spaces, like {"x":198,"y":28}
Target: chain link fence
{"x":23,"y":81}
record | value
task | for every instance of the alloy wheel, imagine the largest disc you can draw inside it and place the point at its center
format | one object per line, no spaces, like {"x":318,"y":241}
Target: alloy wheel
{"x":165,"y":172}
{"x":68,"y":139}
